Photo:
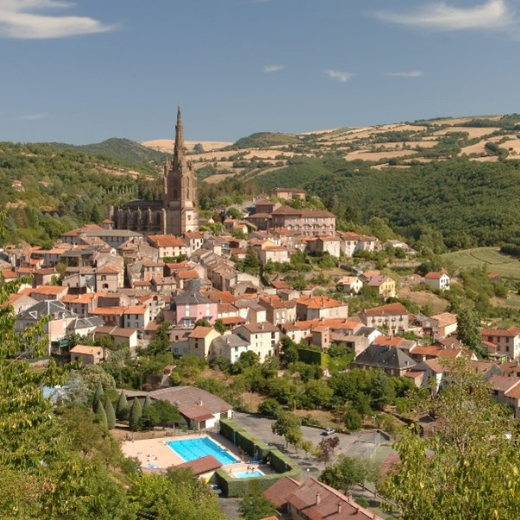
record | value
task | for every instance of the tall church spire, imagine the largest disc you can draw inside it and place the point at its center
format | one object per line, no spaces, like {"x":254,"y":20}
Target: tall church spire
{"x":179,"y":135}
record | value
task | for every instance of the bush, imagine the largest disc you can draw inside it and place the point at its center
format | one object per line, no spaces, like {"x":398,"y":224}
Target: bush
{"x":270,"y":408}
{"x":353,"y":420}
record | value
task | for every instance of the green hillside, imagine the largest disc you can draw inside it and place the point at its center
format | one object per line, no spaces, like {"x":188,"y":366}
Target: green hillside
{"x":263,"y":140}
{"x":466,"y":203}
{"x":123,"y":151}
{"x":47,"y":189}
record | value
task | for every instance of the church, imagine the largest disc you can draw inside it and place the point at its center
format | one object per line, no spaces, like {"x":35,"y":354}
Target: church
{"x":177,"y":212}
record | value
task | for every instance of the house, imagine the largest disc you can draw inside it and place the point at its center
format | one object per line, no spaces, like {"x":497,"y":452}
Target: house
{"x":55,"y":329}
{"x":87,"y":354}
{"x":263,"y":338}
{"x":288,"y":193}
{"x":444,"y":325}
{"x":306,"y":222}
{"x":278,"y":311}
{"x":507,"y":341}
{"x":200,"y":409}
{"x":350,"y":284}
{"x":169,"y":246}
{"x":200,"y":339}
{"x":270,"y":252}
{"x":188,"y":307}
{"x":48,"y":292}
{"x":384,"y":285}
{"x":329,"y":244}
{"x":313,"y":307}
{"x":136,"y":317}
{"x":393,"y":316}
{"x":229,"y":347}
{"x":437,"y":280}
{"x":314,"y":500}
{"x":351,"y":243}
{"x":506,"y":390}
{"x":393,"y":361}
{"x":119,"y":335}
{"x":112,"y":316}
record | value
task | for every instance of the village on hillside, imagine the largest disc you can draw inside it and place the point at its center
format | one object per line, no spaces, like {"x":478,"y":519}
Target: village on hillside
{"x":155,"y":269}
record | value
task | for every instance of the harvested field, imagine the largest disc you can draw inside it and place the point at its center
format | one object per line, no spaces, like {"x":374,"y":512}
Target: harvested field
{"x":502,"y":265}
{"x":377,"y":156}
{"x":166,"y":145}
{"x":472,"y":132}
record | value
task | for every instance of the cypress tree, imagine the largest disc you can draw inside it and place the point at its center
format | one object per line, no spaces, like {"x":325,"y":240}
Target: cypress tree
{"x":122,"y":407}
{"x":101,"y":415}
{"x":97,"y":397}
{"x":147,"y":402}
{"x":136,"y":412}
{"x":110,"y":414}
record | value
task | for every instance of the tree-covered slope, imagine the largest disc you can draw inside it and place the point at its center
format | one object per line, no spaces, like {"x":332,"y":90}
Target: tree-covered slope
{"x":123,"y":151}
{"x":46,"y":189}
{"x":264,"y":139}
{"x":470,"y":203}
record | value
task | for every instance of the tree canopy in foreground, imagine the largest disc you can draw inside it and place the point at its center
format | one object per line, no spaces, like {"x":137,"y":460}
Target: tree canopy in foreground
{"x":470,"y":468}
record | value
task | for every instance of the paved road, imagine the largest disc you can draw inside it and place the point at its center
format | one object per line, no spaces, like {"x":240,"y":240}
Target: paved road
{"x":360,"y":444}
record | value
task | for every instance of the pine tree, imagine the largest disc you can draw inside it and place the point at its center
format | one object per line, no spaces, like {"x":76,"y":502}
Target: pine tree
{"x":97,"y":397}
{"x":122,"y":407}
{"x":110,"y":414}
{"x":101,"y":415}
{"x":136,"y":412}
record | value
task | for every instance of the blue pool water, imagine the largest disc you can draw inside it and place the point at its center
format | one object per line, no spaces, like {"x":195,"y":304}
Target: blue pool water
{"x":249,"y":474}
{"x":192,"y":449}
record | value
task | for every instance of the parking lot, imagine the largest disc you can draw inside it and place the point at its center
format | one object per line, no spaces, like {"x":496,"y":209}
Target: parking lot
{"x":362,"y":444}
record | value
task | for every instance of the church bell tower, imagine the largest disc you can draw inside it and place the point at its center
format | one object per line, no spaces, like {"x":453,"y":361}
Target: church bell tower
{"x":180,"y":189}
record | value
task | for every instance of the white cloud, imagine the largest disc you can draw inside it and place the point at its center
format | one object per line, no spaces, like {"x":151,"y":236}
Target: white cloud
{"x":342,"y":77}
{"x":34,"y":117}
{"x":493,"y":15}
{"x":20,"y":19}
{"x":409,"y":74}
{"x":273,"y":68}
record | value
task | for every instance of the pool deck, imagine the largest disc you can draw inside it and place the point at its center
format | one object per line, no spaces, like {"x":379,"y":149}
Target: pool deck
{"x":157,"y":454}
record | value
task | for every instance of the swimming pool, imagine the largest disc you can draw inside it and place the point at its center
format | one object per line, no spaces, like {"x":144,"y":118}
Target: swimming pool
{"x":192,"y":449}
{"x":249,"y":474}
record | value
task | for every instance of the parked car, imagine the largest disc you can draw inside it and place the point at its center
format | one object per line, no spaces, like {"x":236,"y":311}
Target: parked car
{"x":216,"y":489}
{"x":328,"y":431}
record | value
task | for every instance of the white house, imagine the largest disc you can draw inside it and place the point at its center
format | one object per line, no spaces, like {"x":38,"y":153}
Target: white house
{"x":438,"y":280}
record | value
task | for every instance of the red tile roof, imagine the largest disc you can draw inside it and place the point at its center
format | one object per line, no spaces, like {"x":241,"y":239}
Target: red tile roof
{"x":202,"y":465}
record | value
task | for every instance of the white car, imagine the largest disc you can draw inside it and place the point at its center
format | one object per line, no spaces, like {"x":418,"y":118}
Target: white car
{"x":328,"y":431}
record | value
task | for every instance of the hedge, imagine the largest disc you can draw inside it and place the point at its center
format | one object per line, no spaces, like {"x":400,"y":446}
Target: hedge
{"x":313,"y":357}
{"x":283,"y":465}
{"x":239,"y":437}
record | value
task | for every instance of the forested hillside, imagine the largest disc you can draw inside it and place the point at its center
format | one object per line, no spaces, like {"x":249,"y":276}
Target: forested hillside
{"x":46,"y":189}
{"x":471,"y":204}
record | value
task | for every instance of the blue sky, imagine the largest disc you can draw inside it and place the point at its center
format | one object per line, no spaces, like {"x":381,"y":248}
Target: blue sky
{"x":86,"y":71}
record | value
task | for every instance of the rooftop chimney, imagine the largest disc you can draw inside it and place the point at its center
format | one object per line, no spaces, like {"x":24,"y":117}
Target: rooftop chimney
{"x":339,"y":507}
{"x":318,"y":498}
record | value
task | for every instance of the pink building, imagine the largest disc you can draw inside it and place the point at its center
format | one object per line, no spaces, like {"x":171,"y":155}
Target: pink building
{"x":187,"y":308}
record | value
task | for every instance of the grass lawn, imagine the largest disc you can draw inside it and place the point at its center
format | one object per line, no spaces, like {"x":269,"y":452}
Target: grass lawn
{"x":490,"y":257}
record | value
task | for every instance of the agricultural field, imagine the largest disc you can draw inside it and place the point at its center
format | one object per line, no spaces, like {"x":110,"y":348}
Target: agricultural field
{"x":495,"y":262}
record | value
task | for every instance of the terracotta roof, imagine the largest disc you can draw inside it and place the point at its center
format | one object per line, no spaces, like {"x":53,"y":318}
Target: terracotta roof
{"x":184,"y":275}
{"x":510,"y":332}
{"x":49,"y":290}
{"x":98,"y":311}
{"x":86,"y":350}
{"x":319,"y":302}
{"x":503,"y":383}
{"x":278,"y":492}
{"x":434,"y":276}
{"x":166,"y":241}
{"x":232,"y":320}
{"x":202,"y":465}
{"x":200,"y":332}
{"x":136,"y":309}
